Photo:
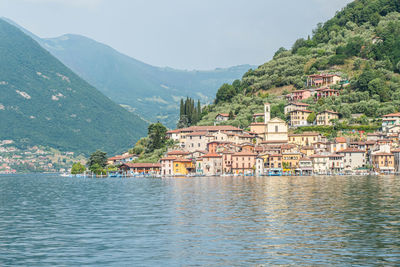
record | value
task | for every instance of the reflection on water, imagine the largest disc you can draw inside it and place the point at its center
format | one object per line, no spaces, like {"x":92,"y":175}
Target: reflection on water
{"x":47,"y":221}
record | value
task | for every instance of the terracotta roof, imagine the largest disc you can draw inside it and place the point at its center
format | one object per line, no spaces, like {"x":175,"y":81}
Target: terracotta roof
{"x":168,"y":158}
{"x":328,"y":111}
{"x":176,"y":152}
{"x":340,"y":140}
{"x":397,"y":150}
{"x":210,"y":128}
{"x":174,"y":131}
{"x":392,"y":115}
{"x":351,"y":150}
{"x":276,"y":155}
{"x":305,"y":134}
{"x":115,"y":158}
{"x":197,"y":134}
{"x":258,"y":114}
{"x":318,"y":156}
{"x":299,"y":104}
{"x":302,"y":110}
{"x":382,"y":154}
{"x":143,"y":165}
{"x":127,"y":156}
{"x":304,"y":159}
{"x":212,"y":155}
{"x":336,"y":155}
{"x":245,"y":153}
{"x":182,"y":160}
{"x":274,"y":142}
{"x":223,"y":114}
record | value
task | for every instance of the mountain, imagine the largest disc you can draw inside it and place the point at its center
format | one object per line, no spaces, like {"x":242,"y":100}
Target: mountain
{"x":42,"y":102}
{"x":361,"y":43}
{"x":152,"y":92}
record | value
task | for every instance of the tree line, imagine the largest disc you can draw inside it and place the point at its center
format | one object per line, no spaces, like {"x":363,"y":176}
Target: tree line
{"x":189,"y":114}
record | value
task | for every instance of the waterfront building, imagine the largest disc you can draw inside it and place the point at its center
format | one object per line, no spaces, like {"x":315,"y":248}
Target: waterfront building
{"x":212,"y":164}
{"x":141,"y":168}
{"x":336,"y":163}
{"x":320,"y":164}
{"x":340,"y":143}
{"x":243,"y":162}
{"x":306,"y":166}
{"x":183,"y":166}
{"x":383,"y":162}
{"x":353,"y":158}
{"x":167,"y":165}
{"x":291,"y":160}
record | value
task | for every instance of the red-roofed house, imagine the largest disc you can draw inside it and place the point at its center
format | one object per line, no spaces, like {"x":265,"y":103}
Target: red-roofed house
{"x":222,"y":117}
{"x":298,"y":95}
{"x":211,"y":164}
{"x":320,"y":80}
{"x":243,"y":162}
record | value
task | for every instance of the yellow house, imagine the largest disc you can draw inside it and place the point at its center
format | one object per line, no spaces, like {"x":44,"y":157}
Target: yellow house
{"x":326,"y":117}
{"x":299,"y":117}
{"x":183,"y":166}
{"x":304,"y":139}
{"x":291,"y":160}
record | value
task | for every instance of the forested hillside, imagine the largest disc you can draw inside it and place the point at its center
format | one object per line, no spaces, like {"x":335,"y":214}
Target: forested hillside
{"x":361,"y":43}
{"x":42,"y":102}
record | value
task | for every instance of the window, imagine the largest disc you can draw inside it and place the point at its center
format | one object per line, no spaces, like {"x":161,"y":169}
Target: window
{"x":276,"y":128}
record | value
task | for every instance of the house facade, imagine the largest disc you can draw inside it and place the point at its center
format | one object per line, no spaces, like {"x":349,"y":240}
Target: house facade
{"x":326,"y":117}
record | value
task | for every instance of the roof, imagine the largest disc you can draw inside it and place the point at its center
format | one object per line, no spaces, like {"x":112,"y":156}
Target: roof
{"x":223,"y":114}
{"x":168,"y":158}
{"x":212,"y":155}
{"x":301,"y":110}
{"x":335,"y":155}
{"x":340,"y":140}
{"x":245,"y":153}
{"x":182,"y":160}
{"x":142,"y":165}
{"x":127,"y":156}
{"x":318,"y":156}
{"x":392,"y":115}
{"x":174,"y":131}
{"x":328,"y":111}
{"x":176,"y":152}
{"x":258,"y":114}
{"x":115,"y":158}
{"x":306,"y":134}
{"x":304,"y":159}
{"x":210,"y":128}
{"x":276,"y":155}
{"x":197,"y":134}
{"x":351,"y":150}
{"x":382,"y":154}
{"x":299,"y":104}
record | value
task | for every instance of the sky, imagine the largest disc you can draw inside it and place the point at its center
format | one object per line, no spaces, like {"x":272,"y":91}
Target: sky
{"x":182,"y":34}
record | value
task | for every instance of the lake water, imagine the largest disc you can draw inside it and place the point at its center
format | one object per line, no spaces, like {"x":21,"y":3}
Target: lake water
{"x":229,"y":221}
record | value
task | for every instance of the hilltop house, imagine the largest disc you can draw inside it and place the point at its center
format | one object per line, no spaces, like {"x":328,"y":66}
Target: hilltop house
{"x":295,"y":106}
{"x":320,"y":80}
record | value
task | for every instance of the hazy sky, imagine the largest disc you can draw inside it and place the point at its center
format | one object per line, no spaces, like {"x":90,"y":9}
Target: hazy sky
{"x":184,"y":34}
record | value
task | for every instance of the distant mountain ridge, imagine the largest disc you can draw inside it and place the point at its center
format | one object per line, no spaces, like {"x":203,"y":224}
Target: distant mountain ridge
{"x":152,"y":92}
{"x":42,"y":102}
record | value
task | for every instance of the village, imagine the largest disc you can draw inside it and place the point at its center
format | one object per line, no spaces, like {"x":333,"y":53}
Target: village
{"x":272,"y":148}
{"x":33,"y":159}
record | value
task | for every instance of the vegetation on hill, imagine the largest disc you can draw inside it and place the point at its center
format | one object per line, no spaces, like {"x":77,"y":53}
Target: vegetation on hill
{"x":189,"y":113}
{"x":152,"y":147}
{"x":151,"y":92}
{"x":43,"y":102}
{"x":361,"y":43}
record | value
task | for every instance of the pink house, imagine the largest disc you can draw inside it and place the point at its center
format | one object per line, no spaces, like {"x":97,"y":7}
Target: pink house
{"x":298,"y":95}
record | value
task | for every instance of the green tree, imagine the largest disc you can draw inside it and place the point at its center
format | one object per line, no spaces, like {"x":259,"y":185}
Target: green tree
{"x":78,"y":168}
{"x":231,"y":115}
{"x":157,"y":136}
{"x":97,"y":169}
{"x":99,"y":158}
{"x":225,"y":93}
{"x":311,"y":118}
